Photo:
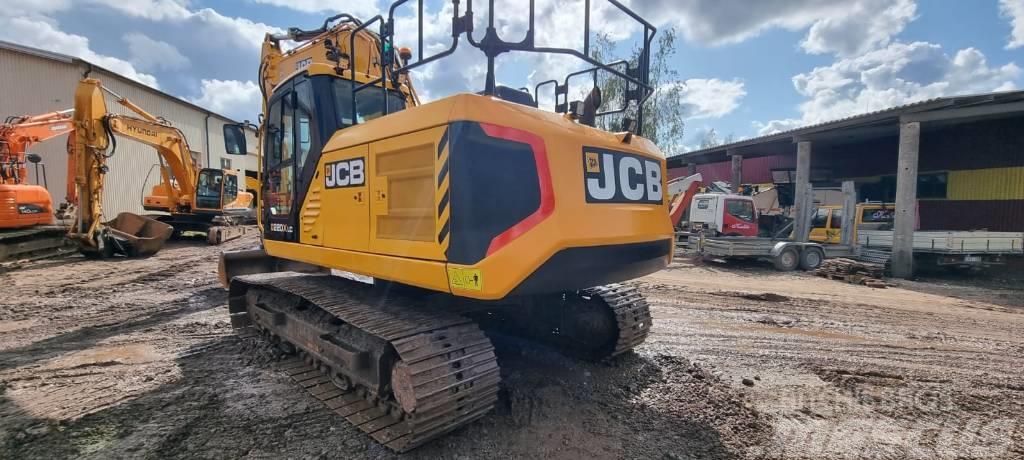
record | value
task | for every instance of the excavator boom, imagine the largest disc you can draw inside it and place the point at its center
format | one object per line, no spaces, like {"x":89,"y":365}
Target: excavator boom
{"x":193,"y":197}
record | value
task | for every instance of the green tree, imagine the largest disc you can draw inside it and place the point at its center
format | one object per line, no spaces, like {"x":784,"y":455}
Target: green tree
{"x":709,"y":138}
{"x":664,"y":110}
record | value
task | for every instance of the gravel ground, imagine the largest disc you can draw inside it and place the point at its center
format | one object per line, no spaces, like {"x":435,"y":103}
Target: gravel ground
{"x":135,"y":358}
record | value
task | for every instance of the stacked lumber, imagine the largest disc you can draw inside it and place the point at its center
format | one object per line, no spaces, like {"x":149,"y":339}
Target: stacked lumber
{"x":853,"y":272}
{"x":874,"y":255}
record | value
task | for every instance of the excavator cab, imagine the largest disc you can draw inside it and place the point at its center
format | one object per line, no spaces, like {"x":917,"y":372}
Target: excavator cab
{"x":217,"y":191}
{"x":209,"y":192}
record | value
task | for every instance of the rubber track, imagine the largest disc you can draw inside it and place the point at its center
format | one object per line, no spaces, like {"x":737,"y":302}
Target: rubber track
{"x":455,"y":373}
{"x":632,"y":314}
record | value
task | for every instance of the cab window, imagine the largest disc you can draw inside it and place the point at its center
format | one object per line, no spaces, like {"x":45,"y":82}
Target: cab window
{"x":877,"y":215}
{"x":837,"y":219}
{"x":370,"y":103}
{"x":820,"y":219}
{"x":230,"y":188}
{"x":740,"y":209}
{"x":281,"y":141}
{"x":303,"y":121}
{"x":209,"y":188}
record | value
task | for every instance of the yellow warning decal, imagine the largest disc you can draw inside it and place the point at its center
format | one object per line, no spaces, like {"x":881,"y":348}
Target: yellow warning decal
{"x":465,"y":278}
{"x":593,"y":165}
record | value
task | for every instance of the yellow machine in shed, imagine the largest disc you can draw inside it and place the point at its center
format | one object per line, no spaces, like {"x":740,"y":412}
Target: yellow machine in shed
{"x":475,"y":210}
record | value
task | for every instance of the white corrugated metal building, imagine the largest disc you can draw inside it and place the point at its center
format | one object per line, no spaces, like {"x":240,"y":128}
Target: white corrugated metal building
{"x":34,"y":81}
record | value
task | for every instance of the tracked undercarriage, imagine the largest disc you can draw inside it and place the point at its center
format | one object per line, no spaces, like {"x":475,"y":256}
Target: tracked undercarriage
{"x":32,"y":242}
{"x":405,"y":371}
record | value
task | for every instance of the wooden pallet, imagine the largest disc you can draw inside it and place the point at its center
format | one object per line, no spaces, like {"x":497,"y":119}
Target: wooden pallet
{"x":853,"y":272}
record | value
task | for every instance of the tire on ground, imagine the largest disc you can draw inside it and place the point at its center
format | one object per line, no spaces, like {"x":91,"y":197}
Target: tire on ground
{"x":811,"y":258}
{"x":787,"y":260}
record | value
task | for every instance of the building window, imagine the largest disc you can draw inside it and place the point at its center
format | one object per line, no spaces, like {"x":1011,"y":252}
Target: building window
{"x":929,"y":186}
{"x":932,"y":185}
{"x":225,"y":163}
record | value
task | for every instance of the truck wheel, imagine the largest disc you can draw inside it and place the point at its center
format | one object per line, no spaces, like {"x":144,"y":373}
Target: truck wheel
{"x":811,"y":259}
{"x":787,"y":260}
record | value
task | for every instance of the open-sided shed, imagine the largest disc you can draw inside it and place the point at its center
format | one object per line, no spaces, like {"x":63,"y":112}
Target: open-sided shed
{"x":953,"y":163}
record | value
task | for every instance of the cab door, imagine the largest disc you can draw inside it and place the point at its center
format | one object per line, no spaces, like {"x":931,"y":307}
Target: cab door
{"x":208,"y":190}
{"x":819,"y":225}
{"x":278,"y":194}
{"x":230,"y":197}
{"x":835,"y":226}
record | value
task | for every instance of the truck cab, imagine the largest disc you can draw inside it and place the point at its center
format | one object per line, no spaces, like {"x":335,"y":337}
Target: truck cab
{"x":827,"y":222}
{"x":718,"y":214}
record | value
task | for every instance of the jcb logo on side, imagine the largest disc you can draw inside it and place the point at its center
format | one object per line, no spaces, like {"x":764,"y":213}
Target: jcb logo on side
{"x":345,"y":173}
{"x":618,"y":177}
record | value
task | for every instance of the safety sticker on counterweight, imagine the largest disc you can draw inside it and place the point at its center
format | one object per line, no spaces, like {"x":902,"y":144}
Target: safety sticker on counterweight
{"x":465,"y":278}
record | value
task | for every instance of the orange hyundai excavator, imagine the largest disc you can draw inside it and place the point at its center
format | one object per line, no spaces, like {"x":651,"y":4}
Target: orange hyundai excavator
{"x":194,"y":199}
{"x":26,"y":210}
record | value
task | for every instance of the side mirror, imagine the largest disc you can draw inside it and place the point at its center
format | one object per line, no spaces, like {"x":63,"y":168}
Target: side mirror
{"x":33,"y":158}
{"x":234,"y":140}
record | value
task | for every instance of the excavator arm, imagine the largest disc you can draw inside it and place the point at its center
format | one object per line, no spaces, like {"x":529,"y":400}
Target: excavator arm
{"x":96,"y":132}
{"x":682,"y":191}
{"x":17,"y":134}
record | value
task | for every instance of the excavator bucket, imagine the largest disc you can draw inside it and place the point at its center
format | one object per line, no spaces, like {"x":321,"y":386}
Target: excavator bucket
{"x":136,"y":236}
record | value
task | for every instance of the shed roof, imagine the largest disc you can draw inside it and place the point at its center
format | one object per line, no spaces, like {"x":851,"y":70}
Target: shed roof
{"x":938,"y":111}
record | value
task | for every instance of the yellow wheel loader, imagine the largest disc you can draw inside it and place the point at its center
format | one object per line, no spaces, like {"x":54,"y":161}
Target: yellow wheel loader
{"x":474,"y":211}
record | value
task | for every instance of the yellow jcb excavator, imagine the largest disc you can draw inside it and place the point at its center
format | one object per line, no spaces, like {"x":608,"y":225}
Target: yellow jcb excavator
{"x":200,"y":200}
{"x":473,"y":211}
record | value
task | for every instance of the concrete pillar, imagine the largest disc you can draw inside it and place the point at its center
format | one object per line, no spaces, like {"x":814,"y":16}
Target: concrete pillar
{"x":691,"y":169}
{"x":906,"y":201}
{"x":737,"y":172}
{"x":849,"y":213}
{"x":801,"y":205}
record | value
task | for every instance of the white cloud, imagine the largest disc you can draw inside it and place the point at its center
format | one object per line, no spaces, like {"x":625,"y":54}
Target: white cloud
{"x":710,"y":98}
{"x":835,"y":26}
{"x":239,"y":100}
{"x":361,"y":10}
{"x":157,"y":10}
{"x":864,"y":26}
{"x":1013,"y":10}
{"x":39,"y":33}
{"x":219,"y":48}
{"x":151,"y":54}
{"x":777,"y":126}
{"x":898,"y":74}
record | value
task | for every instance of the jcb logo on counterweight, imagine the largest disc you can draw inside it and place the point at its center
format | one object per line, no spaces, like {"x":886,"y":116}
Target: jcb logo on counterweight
{"x":345,"y":173}
{"x":617,"y":177}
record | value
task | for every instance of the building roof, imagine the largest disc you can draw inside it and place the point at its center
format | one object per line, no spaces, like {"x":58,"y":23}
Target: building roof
{"x":872,"y":124}
{"x":74,"y":60}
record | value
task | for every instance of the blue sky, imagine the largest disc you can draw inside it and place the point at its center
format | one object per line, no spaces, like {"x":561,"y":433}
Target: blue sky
{"x":747,"y":68}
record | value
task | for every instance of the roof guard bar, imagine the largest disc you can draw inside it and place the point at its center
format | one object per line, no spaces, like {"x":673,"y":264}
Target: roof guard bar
{"x":637,"y":78}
